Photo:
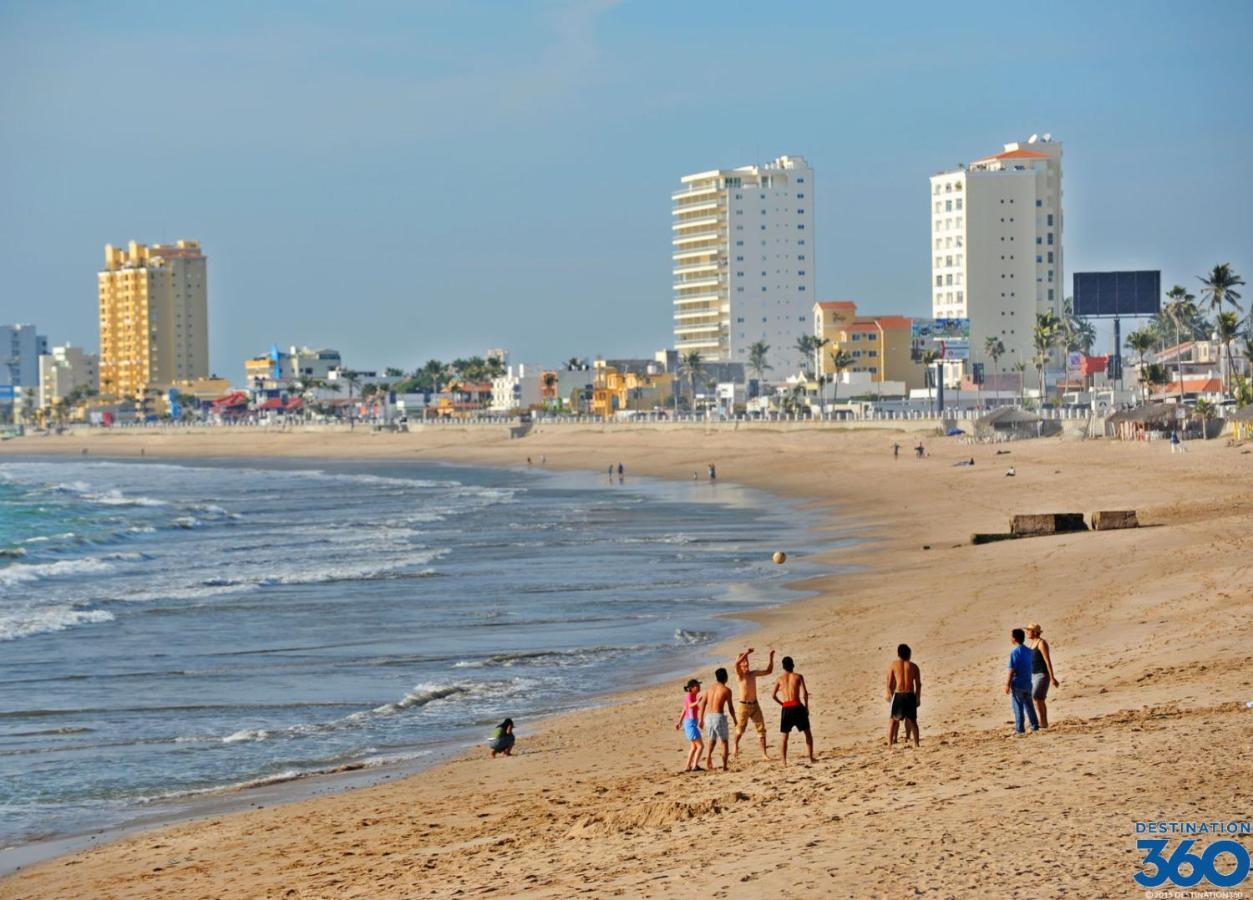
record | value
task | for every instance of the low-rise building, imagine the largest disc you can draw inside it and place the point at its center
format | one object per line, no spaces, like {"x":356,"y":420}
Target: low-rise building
{"x":519,"y":388}
{"x":878,"y":346}
{"x":641,"y":388}
{"x":64,"y":369}
{"x":277,"y":367}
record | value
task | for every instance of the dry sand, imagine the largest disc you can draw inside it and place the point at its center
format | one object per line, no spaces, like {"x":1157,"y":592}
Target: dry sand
{"x":1151,"y":632}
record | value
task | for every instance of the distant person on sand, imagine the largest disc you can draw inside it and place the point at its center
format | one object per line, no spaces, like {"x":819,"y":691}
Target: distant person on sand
{"x":896,"y":451}
{"x":1011,"y":473}
{"x":1018,"y":681}
{"x":691,"y":724}
{"x":904,"y":690}
{"x":1042,"y":674}
{"x":919,"y":450}
{"x":713,"y":473}
{"x":750,"y":709}
{"x":502,"y":739}
{"x":621,"y":471}
{"x":795,"y":705}
{"x":543,"y":459}
{"x":716,"y":705}
{"x":611,"y":471}
{"x":528,"y":460}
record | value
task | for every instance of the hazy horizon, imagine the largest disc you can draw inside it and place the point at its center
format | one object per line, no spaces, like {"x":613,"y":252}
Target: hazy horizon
{"x":402,"y":181}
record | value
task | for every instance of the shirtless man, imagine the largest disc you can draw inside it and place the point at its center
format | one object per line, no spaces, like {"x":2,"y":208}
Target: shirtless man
{"x":715,"y":706}
{"x":750,"y":709}
{"x":904,"y":690}
{"x":795,"y":705}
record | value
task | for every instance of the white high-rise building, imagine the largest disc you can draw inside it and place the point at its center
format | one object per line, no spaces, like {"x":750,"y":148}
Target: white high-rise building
{"x":64,"y":369}
{"x":744,"y":261}
{"x":996,"y":246}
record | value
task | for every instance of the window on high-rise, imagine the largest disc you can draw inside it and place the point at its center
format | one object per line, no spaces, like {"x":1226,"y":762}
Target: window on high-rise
{"x":1050,"y":220}
{"x":1050,"y":238}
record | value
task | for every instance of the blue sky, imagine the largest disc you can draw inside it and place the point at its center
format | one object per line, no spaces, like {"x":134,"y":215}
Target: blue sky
{"x":414,"y":179}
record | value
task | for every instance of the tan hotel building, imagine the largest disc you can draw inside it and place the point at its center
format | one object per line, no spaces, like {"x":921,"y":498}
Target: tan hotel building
{"x":154,"y":317}
{"x":879,"y":345}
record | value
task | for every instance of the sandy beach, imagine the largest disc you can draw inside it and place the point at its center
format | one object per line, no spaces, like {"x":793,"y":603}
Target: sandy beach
{"x":1151,"y":632}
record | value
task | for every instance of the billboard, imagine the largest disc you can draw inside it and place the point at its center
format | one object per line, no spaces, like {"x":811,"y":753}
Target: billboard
{"x":948,"y":337}
{"x":1114,"y":294}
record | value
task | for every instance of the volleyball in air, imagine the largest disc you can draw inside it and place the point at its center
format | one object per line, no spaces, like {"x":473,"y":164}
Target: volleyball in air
{"x":780,"y":557}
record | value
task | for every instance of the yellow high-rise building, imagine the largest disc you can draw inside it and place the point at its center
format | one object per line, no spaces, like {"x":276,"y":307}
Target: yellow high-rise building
{"x":154,"y":317}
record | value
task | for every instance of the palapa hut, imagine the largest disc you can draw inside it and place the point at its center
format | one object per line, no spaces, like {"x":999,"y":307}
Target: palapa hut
{"x":1009,"y":422}
{"x":1142,"y":422}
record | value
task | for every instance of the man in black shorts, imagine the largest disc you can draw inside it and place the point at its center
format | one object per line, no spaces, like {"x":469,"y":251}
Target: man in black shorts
{"x":904,"y":689}
{"x":795,"y":705}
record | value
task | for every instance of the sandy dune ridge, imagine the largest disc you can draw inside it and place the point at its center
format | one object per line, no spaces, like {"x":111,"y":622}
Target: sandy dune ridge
{"x":1151,"y":632}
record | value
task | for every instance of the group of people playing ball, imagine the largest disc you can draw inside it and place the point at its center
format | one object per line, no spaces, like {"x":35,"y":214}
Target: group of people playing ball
{"x":705,"y":715}
{"x":708,"y":716}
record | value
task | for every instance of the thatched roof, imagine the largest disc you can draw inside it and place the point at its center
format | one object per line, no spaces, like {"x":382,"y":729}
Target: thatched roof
{"x":1007,"y":416}
{"x":1243,"y":414}
{"x":1150,"y":414}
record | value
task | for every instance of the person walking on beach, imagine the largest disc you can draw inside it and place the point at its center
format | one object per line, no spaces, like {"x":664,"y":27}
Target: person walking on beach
{"x":1041,"y":671}
{"x":896,"y":451}
{"x":795,"y":703}
{"x":502,"y":739}
{"x":621,"y":470}
{"x":904,"y":690}
{"x":1018,"y":681}
{"x":692,"y":725}
{"x":749,"y":709}
{"x":713,"y":472}
{"x":920,"y":450}
{"x":716,"y":706}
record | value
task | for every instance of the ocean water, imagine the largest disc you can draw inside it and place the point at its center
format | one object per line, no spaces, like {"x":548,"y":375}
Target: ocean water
{"x":172,"y":630}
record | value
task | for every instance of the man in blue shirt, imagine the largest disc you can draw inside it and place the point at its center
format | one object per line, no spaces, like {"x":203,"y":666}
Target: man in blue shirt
{"x":1018,"y":681}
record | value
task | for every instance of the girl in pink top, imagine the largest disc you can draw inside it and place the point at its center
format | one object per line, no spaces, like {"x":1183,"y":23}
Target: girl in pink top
{"x":691,"y":723}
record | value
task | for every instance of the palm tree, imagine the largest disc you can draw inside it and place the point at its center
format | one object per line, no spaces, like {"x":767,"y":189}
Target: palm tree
{"x":994,"y":347}
{"x":1178,"y":311}
{"x":805,"y":347}
{"x":840,"y":360}
{"x":1204,"y":410}
{"x":1227,"y":327}
{"x":1153,"y":375}
{"x":1049,"y":332}
{"x":1020,"y":366}
{"x":758,"y":361}
{"x":929,"y":359}
{"x":495,"y":367}
{"x":1220,"y":288}
{"x":1141,"y":341}
{"x":692,"y":364}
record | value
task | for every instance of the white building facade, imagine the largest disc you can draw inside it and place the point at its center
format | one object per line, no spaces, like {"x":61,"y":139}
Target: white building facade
{"x":743,"y":254}
{"x":996,"y":246}
{"x":519,"y":388}
{"x":64,"y":369}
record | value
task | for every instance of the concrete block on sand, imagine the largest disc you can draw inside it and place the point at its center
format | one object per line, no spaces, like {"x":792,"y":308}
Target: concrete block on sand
{"x":1047,"y":523}
{"x":1109,"y":519}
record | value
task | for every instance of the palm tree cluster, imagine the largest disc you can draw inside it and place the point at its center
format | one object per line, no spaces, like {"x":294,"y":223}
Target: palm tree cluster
{"x":1183,"y":319}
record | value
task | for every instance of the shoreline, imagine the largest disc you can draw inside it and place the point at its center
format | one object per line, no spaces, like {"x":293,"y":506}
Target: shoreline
{"x":191,"y":806}
{"x":1104,"y":597}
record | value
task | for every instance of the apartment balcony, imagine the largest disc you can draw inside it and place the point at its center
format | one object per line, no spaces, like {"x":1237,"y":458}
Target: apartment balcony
{"x":696,"y":283}
{"x":712,"y":265}
{"x":699,"y":343}
{"x":688,"y":208}
{"x":714,"y":249}
{"x":715,"y":328}
{"x":698,"y":222}
{"x":714,"y":315}
{"x":711,"y":297}
{"x":695,"y":191}
{"x":693,"y":238}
